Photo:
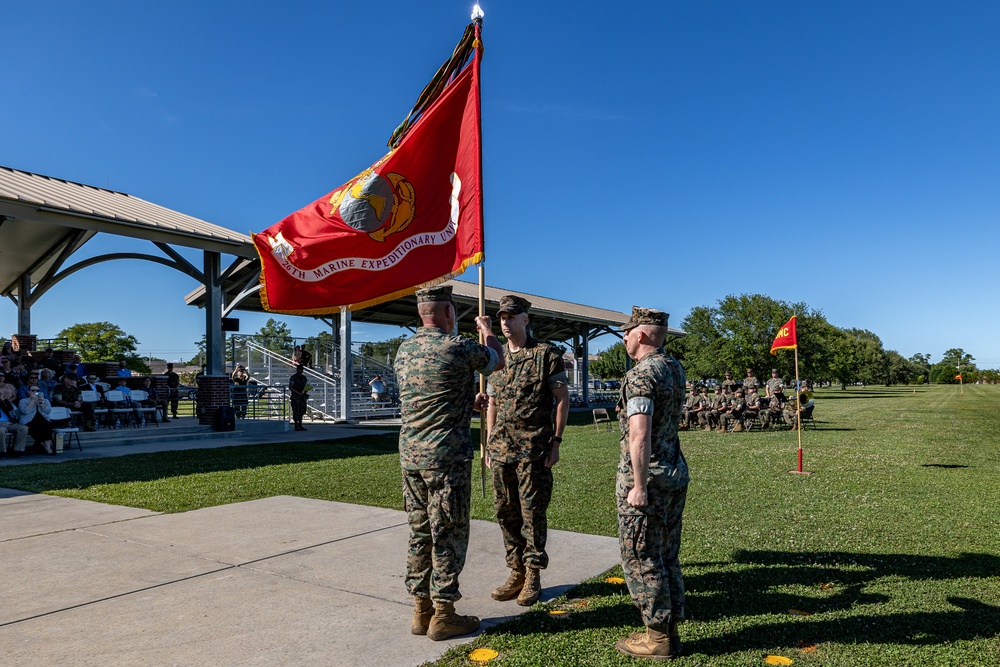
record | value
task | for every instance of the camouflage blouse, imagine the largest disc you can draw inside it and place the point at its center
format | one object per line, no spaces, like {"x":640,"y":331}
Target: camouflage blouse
{"x":437,"y":390}
{"x":524,"y":402}
{"x":654,"y":386}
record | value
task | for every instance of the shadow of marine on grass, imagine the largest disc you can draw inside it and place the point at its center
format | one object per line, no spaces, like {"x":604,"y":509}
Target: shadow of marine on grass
{"x":750,"y":592}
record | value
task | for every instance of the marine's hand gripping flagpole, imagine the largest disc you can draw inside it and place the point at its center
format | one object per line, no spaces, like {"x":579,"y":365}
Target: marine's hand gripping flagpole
{"x":477,"y":18}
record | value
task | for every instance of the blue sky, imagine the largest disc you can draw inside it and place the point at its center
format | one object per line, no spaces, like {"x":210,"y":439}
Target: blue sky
{"x":666,"y":154}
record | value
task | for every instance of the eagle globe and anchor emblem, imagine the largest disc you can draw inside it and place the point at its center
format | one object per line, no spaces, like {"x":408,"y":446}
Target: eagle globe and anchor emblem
{"x":376,"y":204}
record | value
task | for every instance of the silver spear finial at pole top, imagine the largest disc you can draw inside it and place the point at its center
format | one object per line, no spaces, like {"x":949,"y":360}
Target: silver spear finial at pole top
{"x":477,"y":13}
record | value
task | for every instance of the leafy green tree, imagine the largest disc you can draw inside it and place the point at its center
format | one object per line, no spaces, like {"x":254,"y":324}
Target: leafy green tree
{"x":275,"y":336}
{"x":944,"y":372}
{"x":104,"y":341}
{"x":379,"y":350}
{"x":957,"y":357}
{"x":900,"y":369}
{"x":611,"y":363}
{"x":737,"y":334}
{"x":923,"y":363}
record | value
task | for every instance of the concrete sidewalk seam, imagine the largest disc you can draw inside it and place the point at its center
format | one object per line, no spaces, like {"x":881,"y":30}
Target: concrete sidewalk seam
{"x":82,"y":530}
{"x":117,"y":596}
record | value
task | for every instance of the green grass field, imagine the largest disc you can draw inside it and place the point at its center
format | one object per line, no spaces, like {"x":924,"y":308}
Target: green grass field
{"x":888,"y":555}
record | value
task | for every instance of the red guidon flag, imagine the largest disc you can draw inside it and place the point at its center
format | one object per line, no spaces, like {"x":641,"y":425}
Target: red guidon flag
{"x":412,"y":219}
{"x":785,"y":340}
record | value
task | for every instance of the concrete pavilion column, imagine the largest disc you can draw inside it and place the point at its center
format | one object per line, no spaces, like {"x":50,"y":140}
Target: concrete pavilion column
{"x":576,"y":359}
{"x":24,"y":305}
{"x":346,"y":365}
{"x":214,"y":352}
{"x":585,"y":363}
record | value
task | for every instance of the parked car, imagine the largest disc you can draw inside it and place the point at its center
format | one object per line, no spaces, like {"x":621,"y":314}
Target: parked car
{"x":611,"y":385}
{"x":187,"y":391}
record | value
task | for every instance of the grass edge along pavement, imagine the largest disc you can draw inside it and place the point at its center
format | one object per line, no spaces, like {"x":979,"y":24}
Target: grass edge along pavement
{"x":886,"y":556}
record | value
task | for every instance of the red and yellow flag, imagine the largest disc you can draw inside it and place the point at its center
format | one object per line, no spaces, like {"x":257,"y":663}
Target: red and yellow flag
{"x":958,"y":377}
{"x":785,"y":340}
{"x":412,"y":219}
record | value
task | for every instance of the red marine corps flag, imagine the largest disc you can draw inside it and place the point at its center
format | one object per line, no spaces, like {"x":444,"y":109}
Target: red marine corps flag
{"x":411,"y":219}
{"x":785,"y":340}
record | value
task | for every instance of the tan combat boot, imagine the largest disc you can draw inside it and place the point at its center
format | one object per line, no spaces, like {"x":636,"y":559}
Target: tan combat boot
{"x":707,"y":427}
{"x":532,"y":588}
{"x":510,"y":589}
{"x":738,"y":428}
{"x":446,"y":623}
{"x":423,"y":610}
{"x":652,"y":644}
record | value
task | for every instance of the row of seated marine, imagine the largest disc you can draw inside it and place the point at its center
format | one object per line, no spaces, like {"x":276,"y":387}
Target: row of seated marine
{"x":737,"y":410}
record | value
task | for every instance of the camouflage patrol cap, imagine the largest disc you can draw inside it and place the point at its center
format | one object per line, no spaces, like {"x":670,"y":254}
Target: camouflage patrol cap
{"x":656,"y":318}
{"x":438,"y":293}
{"x":514,"y":305}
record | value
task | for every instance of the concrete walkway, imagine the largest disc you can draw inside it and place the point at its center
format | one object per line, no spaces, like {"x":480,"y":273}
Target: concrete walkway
{"x":277,"y":581}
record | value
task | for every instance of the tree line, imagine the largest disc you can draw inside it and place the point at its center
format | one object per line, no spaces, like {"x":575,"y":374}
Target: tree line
{"x":736,"y":333}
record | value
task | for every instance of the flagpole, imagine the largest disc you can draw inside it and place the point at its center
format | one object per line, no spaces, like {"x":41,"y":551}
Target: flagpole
{"x":798,"y":408}
{"x":477,"y":18}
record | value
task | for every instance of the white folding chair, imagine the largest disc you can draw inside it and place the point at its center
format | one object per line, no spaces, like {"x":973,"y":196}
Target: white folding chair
{"x":120,"y":413}
{"x":65,"y":433}
{"x":143,"y":414}
{"x":100,"y":414}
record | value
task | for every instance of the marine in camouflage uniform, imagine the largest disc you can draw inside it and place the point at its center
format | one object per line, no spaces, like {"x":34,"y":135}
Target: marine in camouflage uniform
{"x":709,"y":416}
{"x":771,"y":413}
{"x":775,"y":386}
{"x":750,"y":382}
{"x":435,"y":371}
{"x":692,"y":406}
{"x":753,"y":405}
{"x":651,"y":486}
{"x":528,"y":409}
{"x":729,"y":384}
{"x":738,"y":407}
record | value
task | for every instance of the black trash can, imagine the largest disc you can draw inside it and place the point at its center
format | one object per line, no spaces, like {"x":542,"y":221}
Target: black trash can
{"x":225,"y":418}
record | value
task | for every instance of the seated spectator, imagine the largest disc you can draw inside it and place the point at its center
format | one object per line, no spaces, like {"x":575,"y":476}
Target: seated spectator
{"x":32,"y":379}
{"x":5,"y":366}
{"x":81,"y":368}
{"x":154,"y":400}
{"x":122,"y":371}
{"x":10,"y":424}
{"x":72,"y":371}
{"x":7,"y":351}
{"x":126,"y":392}
{"x":47,"y":381}
{"x":34,"y":413}
{"x":49,"y":361}
{"x":8,"y":392}
{"x":67,"y":395}
{"x":302,"y":356}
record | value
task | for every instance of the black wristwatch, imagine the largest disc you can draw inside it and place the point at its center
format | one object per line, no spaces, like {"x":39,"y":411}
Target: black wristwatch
{"x":556,"y":438}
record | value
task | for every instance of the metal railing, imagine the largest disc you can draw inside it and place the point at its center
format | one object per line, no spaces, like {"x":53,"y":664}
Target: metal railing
{"x":260,"y":401}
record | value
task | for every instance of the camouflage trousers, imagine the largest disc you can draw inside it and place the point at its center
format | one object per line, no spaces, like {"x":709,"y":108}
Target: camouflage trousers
{"x":650,"y":541}
{"x":521,"y":494}
{"x":437,"y":506}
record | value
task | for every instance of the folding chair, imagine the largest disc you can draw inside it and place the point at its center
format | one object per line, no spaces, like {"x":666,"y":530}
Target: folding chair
{"x":62,"y":414}
{"x":601,"y":415}
{"x":143,"y":414}
{"x":100,"y":414}
{"x":806,"y":415}
{"x":120,"y":413}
